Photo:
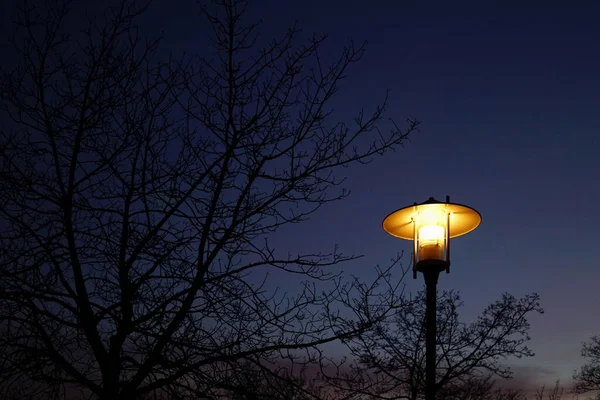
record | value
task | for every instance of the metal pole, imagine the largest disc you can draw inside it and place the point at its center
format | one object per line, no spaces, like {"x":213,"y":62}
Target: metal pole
{"x":431,"y":277}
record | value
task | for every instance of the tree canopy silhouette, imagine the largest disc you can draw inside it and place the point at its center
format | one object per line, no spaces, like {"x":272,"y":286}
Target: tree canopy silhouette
{"x":390,"y":358}
{"x":587,"y":379}
{"x":138,"y":195}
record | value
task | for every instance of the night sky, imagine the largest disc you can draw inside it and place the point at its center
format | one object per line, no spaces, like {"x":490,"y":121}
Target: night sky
{"x":509,"y":99}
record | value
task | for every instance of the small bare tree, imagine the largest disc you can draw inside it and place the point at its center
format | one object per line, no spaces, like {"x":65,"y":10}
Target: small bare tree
{"x":251,"y":383}
{"x":138,"y":195}
{"x":390,"y":358}
{"x":478,"y":387}
{"x":553,"y":394}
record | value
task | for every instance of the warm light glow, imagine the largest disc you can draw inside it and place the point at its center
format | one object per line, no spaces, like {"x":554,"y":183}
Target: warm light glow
{"x":431,"y":235}
{"x":431,"y":242}
{"x":400,"y":223}
{"x":430,"y":225}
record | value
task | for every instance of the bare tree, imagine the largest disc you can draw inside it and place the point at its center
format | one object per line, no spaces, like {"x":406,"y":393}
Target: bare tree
{"x":390,"y":358}
{"x":478,"y":387}
{"x":587,"y":379}
{"x":553,"y":394}
{"x":252,"y":383}
{"x":138,"y":196}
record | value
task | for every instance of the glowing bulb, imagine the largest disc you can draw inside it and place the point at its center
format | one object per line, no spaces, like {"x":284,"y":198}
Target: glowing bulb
{"x":431,"y":242}
{"x":431,"y":235}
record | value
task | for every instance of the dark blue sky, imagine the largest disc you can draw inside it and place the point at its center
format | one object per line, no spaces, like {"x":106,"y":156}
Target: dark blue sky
{"x":509,"y":98}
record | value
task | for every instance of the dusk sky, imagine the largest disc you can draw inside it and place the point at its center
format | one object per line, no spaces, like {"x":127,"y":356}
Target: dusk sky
{"x":509,"y":97}
{"x":508,"y":94}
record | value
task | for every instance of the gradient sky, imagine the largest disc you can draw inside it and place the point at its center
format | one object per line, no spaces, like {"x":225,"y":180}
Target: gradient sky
{"x":509,"y":99}
{"x":508,"y":93}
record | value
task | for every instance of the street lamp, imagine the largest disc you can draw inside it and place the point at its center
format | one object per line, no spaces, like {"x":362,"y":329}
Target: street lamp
{"x":431,"y":225}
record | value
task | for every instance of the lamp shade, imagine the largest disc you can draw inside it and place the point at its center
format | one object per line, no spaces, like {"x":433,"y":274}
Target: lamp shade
{"x":462,"y":219}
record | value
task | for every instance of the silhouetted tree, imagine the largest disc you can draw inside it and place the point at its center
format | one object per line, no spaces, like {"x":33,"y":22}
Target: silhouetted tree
{"x":267,"y":384}
{"x":138,"y":195}
{"x":390,"y":358}
{"x":477,"y":387}
{"x":553,"y":394}
{"x":587,"y":379}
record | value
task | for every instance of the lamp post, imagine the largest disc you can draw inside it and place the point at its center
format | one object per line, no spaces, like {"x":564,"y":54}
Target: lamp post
{"x":430,"y":225}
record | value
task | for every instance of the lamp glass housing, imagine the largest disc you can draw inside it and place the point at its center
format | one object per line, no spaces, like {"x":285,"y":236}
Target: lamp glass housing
{"x":431,"y":234}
